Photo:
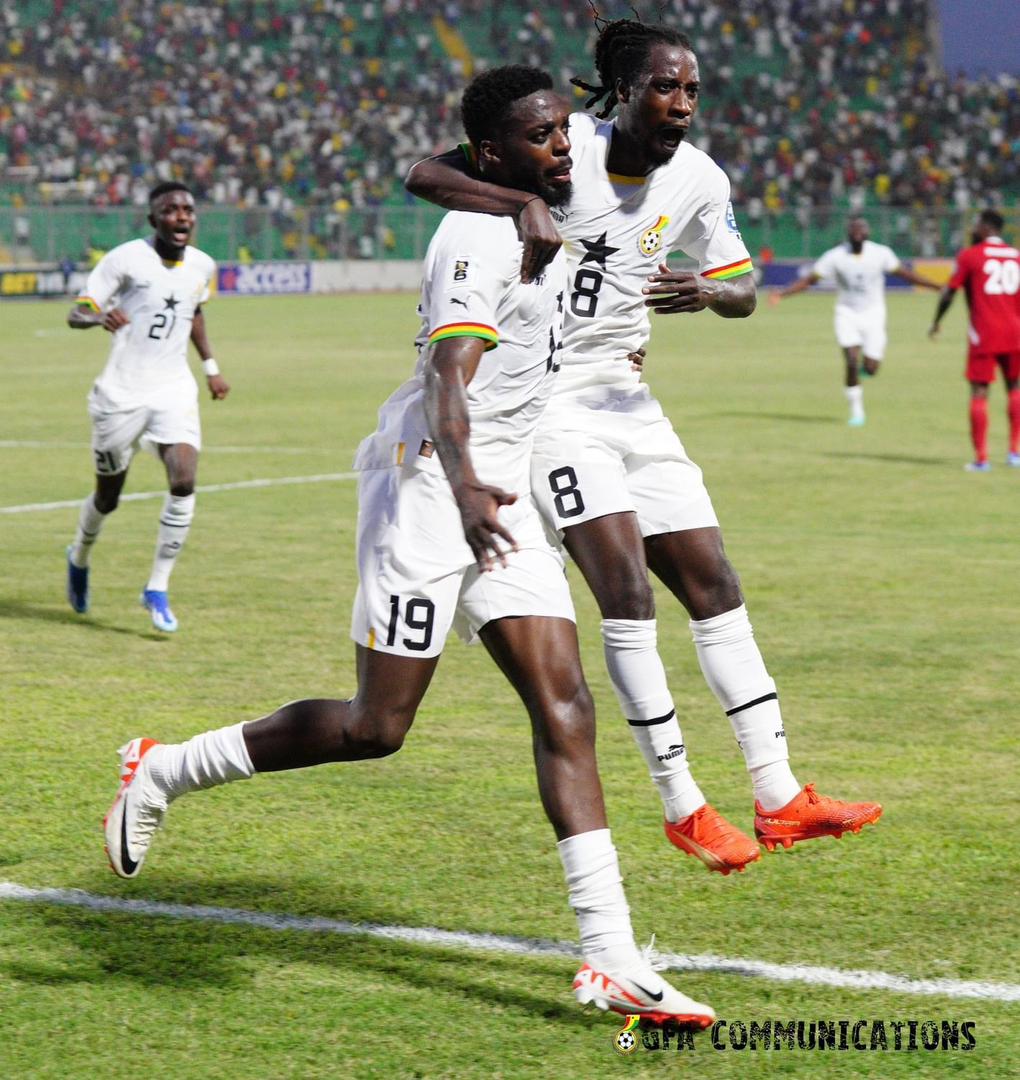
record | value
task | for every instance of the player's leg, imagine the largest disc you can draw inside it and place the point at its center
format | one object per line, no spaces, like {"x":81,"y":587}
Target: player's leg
{"x":583,"y":489}
{"x":1010,"y":365}
{"x":298,"y":735}
{"x":113,"y":436}
{"x":539,"y":655}
{"x":978,"y":417}
{"x":181,"y":463}
{"x":853,"y":389}
{"x":693,"y":565}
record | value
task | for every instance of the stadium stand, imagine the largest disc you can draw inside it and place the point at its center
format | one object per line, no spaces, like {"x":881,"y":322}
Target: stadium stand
{"x":307,"y":115}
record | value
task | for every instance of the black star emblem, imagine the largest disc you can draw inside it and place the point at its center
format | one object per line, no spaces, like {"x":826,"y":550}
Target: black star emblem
{"x":597,"y":251}
{"x":170,"y":303}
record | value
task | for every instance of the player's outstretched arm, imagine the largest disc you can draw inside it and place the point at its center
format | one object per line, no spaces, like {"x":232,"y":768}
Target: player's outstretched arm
{"x":448,"y":181}
{"x":943,"y":306}
{"x":799,"y":286}
{"x":915,"y":279}
{"x":671,"y":292}
{"x":450,"y":367}
{"x":218,"y":386}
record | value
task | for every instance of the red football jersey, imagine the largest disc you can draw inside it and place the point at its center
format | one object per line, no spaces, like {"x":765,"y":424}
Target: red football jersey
{"x":990,"y":274}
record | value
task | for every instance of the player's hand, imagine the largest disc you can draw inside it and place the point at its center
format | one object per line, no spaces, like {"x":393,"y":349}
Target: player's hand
{"x":541,"y":239}
{"x":677,"y":292}
{"x":218,"y":387}
{"x":637,"y":359}
{"x":479,"y":507}
{"x":775,"y":298}
{"x":114,"y":319}
{"x":933,"y":331}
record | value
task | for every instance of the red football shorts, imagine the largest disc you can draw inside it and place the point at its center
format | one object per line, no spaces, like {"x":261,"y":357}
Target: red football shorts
{"x":984,"y":366}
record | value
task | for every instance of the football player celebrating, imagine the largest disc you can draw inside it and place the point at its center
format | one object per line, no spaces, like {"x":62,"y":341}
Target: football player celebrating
{"x":608,"y":470}
{"x":858,"y":268}
{"x":438,"y":540}
{"x":148,"y":294}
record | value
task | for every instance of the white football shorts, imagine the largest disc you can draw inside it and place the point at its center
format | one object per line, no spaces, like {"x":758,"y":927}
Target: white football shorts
{"x":117,"y":429}
{"x":864,"y":328}
{"x":622,"y":455}
{"x":417,"y":576}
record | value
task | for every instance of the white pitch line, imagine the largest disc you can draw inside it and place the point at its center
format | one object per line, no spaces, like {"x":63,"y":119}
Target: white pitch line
{"x":139,"y":496}
{"x":41,"y":444}
{"x":800,"y":973}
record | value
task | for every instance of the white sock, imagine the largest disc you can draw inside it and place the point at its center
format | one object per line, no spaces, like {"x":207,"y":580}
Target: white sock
{"x":734,"y":669}
{"x":174,"y":522}
{"x":596,"y":895}
{"x":90,"y":521}
{"x":639,"y":680}
{"x":855,"y":399}
{"x":207,"y":760}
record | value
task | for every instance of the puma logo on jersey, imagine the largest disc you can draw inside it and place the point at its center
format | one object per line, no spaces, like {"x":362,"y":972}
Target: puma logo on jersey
{"x":650,"y":241}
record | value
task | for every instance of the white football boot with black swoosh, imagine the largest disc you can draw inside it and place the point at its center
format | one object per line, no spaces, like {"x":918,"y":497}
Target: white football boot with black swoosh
{"x":640,"y":990}
{"x":137,"y":811}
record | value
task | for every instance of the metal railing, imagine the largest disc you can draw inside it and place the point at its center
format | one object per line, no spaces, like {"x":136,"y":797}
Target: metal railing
{"x":54,"y":234}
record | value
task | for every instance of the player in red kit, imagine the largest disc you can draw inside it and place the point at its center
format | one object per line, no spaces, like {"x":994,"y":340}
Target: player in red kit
{"x":989,"y":271}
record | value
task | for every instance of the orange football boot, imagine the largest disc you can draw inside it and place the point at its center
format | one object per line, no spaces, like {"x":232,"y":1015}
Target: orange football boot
{"x":809,"y":815}
{"x":708,"y":836}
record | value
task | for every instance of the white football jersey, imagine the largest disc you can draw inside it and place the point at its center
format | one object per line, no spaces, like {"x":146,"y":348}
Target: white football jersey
{"x":617,"y":229}
{"x":859,"y":279}
{"x":472,"y":288}
{"x":159,"y":298}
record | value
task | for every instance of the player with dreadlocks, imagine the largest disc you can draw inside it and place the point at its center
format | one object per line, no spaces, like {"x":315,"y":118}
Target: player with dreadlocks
{"x":608,"y":470}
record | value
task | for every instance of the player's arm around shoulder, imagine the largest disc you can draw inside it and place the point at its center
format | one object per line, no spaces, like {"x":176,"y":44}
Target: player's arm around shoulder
{"x":214,"y":380}
{"x":450,"y":366}
{"x":451,"y":181}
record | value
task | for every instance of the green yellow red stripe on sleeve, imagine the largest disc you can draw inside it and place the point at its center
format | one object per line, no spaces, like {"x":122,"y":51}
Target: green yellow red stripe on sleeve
{"x":86,"y":301}
{"x":721,"y":273}
{"x":465,"y":329}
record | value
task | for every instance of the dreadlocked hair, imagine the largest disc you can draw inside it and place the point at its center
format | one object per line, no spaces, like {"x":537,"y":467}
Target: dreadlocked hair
{"x":489,"y":97}
{"x":621,"y":52}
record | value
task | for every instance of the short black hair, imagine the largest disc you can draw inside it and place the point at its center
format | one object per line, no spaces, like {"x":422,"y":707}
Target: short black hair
{"x":993,"y":218}
{"x":489,"y":97}
{"x":168,"y":185}
{"x":621,"y":52}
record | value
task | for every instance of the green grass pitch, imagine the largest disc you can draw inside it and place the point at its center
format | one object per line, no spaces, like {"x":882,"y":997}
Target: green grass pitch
{"x":882,"y":583}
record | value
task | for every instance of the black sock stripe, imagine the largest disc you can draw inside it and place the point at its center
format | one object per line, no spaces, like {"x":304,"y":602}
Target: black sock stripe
{"x":655,"y":720}
{"x":174,"y":524}
{"x":751,"y":704}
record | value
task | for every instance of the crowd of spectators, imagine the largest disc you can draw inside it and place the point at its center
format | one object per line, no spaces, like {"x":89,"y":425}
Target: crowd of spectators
{"x":807,"y":103}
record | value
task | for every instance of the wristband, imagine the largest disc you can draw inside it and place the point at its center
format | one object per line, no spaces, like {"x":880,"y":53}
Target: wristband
{"x":210,"y":367}
{"x":527,"y":204}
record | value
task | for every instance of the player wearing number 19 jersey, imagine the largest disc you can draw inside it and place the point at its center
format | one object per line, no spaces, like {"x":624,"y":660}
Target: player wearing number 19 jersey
{"x":989,"y":274}
{"x":148,"y":295}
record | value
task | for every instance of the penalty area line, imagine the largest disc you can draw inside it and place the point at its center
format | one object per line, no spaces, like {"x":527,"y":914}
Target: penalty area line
{"x":795,"y":973}
{"x":140,"y":496}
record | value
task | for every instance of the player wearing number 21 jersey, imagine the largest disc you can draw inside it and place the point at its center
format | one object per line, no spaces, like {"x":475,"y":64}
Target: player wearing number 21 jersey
{"x":989,"y":273}
{"x":148,"y":295}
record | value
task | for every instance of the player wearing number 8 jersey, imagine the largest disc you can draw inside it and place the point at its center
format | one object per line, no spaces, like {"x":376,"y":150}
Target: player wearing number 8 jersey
{"x":989,"y":273}
{"x":148,"y":294}
{"x":608,"y":471}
